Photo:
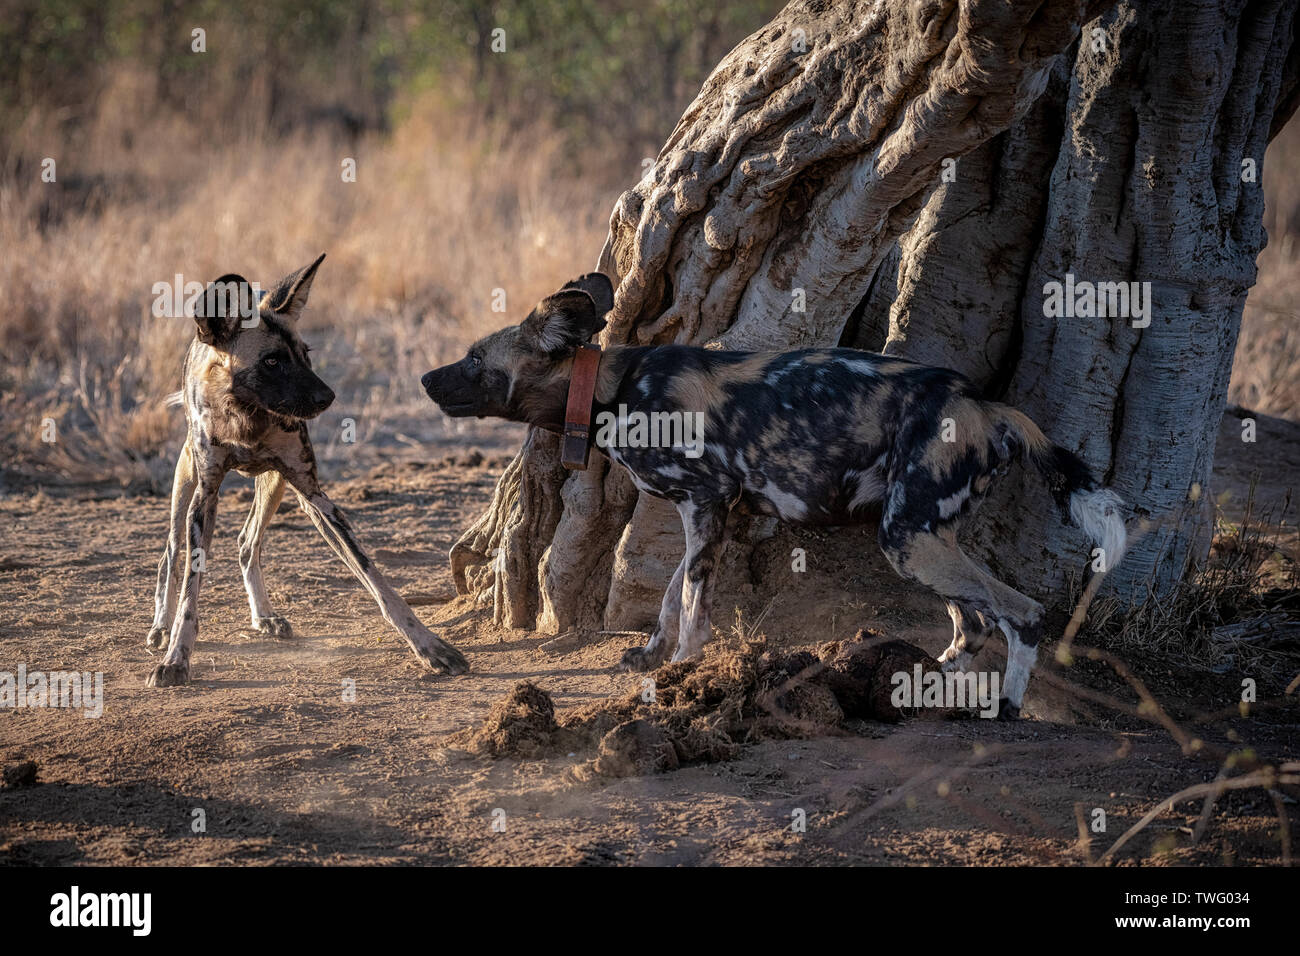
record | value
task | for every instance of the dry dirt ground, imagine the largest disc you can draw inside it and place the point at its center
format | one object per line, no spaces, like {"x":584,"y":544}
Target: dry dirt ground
{"x":285,"y":770}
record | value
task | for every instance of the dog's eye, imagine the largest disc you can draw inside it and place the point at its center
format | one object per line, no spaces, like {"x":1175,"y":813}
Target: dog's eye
{"x":475,"y":361}
{"x":271,"y":361}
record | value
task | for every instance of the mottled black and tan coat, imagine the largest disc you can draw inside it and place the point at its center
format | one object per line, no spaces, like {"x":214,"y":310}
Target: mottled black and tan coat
{"x":248,"y":390}
{"x":815,"y":436}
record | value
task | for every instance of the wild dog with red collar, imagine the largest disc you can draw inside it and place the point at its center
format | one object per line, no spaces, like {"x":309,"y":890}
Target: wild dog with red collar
{"x":815,"y":436}
{"x":248,"y":393}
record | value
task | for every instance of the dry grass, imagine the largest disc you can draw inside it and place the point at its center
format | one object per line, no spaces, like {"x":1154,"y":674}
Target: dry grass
{"x":443,"y":212}
{"x":1240,"y":610}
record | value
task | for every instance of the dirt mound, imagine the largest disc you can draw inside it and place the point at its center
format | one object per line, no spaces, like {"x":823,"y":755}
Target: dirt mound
{"x":22,"y":774}
{"x":524,"y":724}
{"x":705,"y":709}
{"x":860,"y":674}
{"x":521,"y":725}
{"x":633,"y":749}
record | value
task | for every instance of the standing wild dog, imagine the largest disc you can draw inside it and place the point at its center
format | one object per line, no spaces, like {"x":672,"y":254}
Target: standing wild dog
{"x":248,"y":393}
{"x":813,"y":436}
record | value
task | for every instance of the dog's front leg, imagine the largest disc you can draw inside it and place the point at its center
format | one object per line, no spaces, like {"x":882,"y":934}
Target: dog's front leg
{"x":169,"y":567}
{"x":334,"y":528}
{"x":706,"y":524}
{"x":199,"y":521}
{"x":664,"y":638}
{"x":266,"y":501}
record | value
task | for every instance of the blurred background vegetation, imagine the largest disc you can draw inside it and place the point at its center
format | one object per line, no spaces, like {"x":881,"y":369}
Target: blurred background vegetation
{"x":477,"y":170}
{"x":611,"y":73}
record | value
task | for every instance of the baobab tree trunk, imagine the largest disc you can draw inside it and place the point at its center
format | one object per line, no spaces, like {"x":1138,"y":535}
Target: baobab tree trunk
{"x":772,"y":219}
{"x":1140,"y":163}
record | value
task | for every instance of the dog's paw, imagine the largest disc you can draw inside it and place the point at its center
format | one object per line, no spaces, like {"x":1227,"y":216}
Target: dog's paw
{"x":638,"y":659}
{"x":956,"y":665}
{"x":442,"y":657}
{"x":169,"y":675}
{"x":157,"y":637}
{"x":273,"y":626}
{"x":1007,"y":710}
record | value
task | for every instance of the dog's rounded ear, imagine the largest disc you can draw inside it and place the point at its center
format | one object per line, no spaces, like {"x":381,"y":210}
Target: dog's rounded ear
{"x":225,"y":304}
{"x":289,"y":297}
{"x":596,"y":285}
{"x":562,"y":322}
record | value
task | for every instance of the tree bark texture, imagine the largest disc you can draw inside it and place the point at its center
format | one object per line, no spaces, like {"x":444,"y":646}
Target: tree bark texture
{"x":801,"y":201}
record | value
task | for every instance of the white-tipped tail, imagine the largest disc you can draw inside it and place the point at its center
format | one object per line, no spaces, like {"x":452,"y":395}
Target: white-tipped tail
{"x":1100,"y":513}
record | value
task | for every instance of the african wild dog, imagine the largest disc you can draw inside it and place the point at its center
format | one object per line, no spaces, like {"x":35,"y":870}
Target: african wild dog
{"x":812,"y":436}
{"x":248,"y":392}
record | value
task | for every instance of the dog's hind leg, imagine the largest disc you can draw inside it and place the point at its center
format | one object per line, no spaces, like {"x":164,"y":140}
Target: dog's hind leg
{"x":334,"y":528}
{"x":171,"y":563}
{"x":706,"y":525}
{"x":933,"y":559}
{"x":664,"y":638}
{"x":266,"y":500}
{"x":199,"y":522}
{"x":970,"y":629}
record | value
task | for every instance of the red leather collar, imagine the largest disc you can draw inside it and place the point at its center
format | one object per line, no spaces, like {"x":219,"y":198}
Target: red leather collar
{"x":575,"y":448}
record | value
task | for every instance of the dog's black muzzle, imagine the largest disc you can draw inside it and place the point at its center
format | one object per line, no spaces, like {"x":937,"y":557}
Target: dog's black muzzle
{"x":321,"y":399}
{"x":449,"y":389}
{"x":304,"y":395}
{"x":304,"y":406}
{"x":300,"y":394}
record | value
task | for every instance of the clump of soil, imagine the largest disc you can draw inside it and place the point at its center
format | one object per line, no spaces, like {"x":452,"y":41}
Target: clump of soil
{"x":860,"y":674}
{"x":633,"y":749}
{"x":22,"y":774}
{"x":521,"y":725}
{"x":706,"y":708}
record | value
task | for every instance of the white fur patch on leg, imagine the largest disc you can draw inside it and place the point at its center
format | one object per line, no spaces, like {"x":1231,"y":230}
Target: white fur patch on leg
{"x":694,"y":629}
{"x":1020,"y":664}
